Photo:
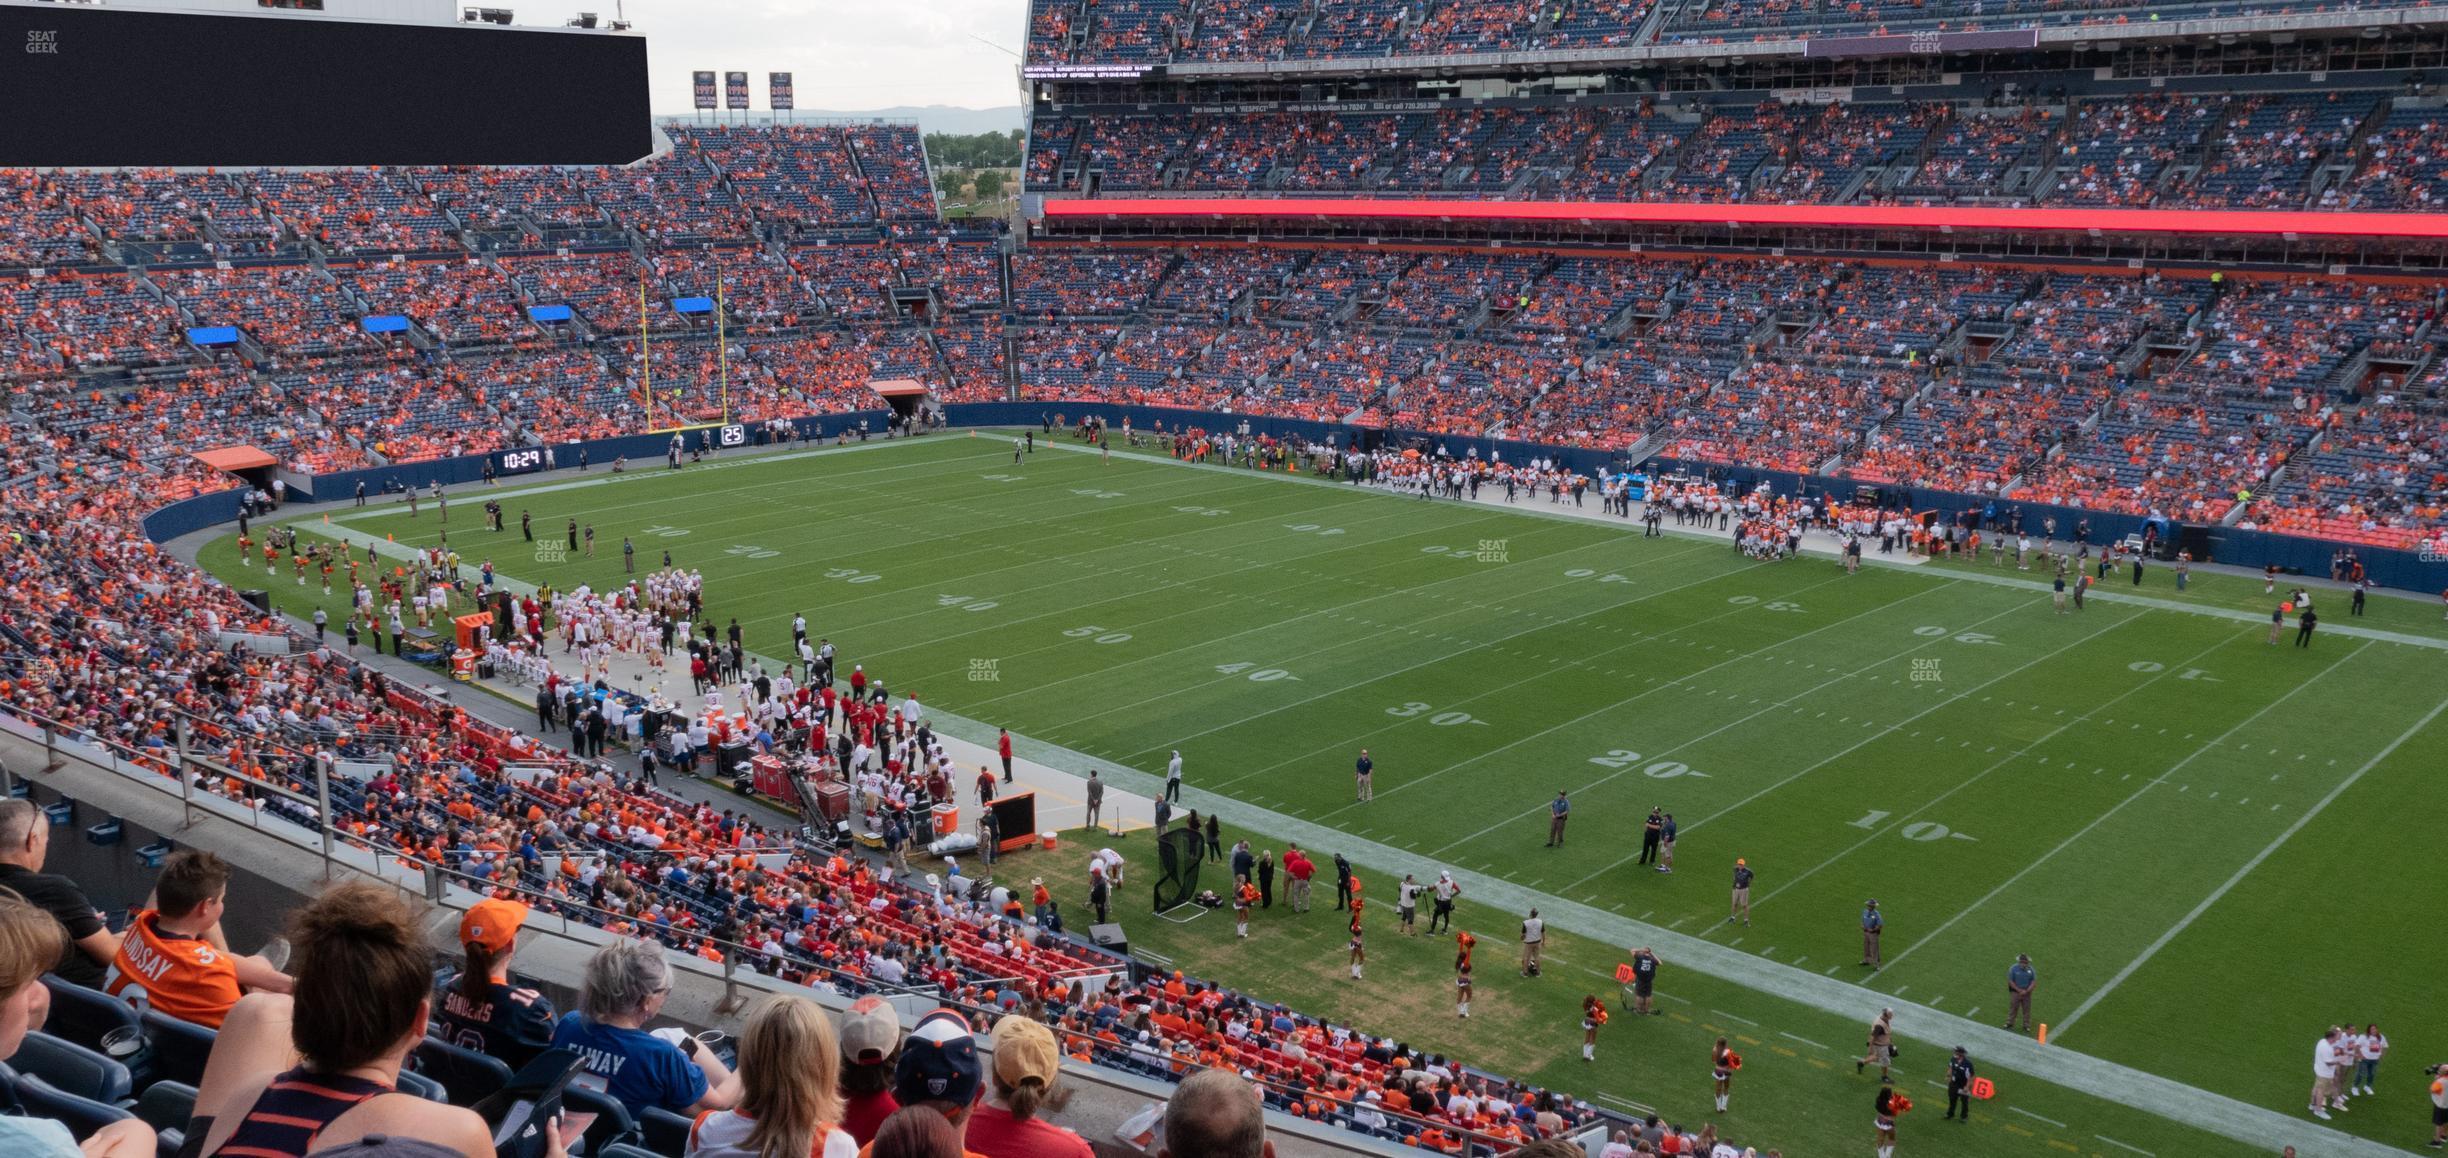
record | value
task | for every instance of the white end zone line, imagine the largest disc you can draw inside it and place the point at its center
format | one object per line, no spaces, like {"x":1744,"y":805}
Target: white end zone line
{"x":2230,"y":883}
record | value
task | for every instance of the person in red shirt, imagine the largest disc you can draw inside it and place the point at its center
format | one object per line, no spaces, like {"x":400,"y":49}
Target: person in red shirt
{"x":870,"y":1044}
{"x":1003,"y":748}
{"x":1027,"y":1063}
{"x":1299,"y":868}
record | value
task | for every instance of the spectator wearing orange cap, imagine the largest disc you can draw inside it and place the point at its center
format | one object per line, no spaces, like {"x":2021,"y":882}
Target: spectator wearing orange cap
{"x":478,"y":1007}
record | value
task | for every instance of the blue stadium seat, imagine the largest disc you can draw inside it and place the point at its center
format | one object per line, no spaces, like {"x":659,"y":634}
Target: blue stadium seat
{"x":88,"y":1016}
{"x":664,"y":1132}
{"x":73,"y":1069}
{"x":166,"y":1106}
{"x":82,"y":1116}
{"x":468,"y":1075}
{"x":612,"y":1122}
{"x":178,"y":1048}
{"x":412,"y":1082}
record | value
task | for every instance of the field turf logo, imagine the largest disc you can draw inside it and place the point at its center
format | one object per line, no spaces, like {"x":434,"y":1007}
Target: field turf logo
{"x":985,"y":671}
{"x":1925,"y":671}
{"x":39,"y":43}
{"x":1493,"y":551}
{"x":551,"y":551}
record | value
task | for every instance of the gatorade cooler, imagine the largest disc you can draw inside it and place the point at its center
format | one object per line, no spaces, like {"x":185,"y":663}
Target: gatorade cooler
{"x":463,"y":665}
{"x":947,"y":819}
{"x":1047,"y":837}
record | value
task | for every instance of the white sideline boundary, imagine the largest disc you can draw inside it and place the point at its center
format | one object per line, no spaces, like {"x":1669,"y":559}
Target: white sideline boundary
{"x":2167,"y":1098}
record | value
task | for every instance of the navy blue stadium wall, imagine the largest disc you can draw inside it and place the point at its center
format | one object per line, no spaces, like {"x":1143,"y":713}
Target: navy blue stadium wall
{"x":91,"y":86}
{"x":2403,"y":570}
{"x":643,"y":451}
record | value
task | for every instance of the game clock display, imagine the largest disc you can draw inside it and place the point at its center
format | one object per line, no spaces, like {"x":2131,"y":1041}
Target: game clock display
{"x":519,"y":461}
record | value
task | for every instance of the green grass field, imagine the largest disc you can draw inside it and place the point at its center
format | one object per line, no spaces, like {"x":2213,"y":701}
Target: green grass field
{"x":2211,"y":847}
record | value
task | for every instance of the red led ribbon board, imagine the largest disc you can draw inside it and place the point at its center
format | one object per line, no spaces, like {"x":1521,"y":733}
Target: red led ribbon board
{"x":2198,"y":222}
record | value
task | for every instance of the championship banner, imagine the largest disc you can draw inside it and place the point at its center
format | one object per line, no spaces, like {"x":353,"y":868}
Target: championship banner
{"x":780,"y":98}
{"x":735,"y":91}
{"x":705,"y":90}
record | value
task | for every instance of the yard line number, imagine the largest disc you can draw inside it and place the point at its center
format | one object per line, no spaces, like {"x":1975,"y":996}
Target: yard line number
{"x":1257,"y":675}
{"x":1098,"y":635}
{"x":1625,"y":758}
{"x":1920,"y":830}
{"x":1415,"y":709}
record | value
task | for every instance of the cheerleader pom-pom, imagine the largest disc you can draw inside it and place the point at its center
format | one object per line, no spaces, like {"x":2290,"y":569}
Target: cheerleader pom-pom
{"x":1733,"y":1060}
{"x":1901,"y":1104}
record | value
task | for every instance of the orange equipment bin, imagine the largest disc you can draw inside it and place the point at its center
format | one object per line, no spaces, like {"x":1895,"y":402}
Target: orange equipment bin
{"x":470,"y":630}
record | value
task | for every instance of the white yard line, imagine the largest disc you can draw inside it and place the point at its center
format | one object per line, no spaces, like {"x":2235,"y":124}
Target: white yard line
{"x":1645,"y":692}
{"x":1977,"y":777}
{"x":1345,"y":744}
{"x":2130,"y":797}
{"x":1891,"y":729}
{"x":2231,"y":882}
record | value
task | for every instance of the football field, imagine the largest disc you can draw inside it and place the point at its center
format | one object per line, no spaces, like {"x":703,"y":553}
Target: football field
{"x":2211,"y":847}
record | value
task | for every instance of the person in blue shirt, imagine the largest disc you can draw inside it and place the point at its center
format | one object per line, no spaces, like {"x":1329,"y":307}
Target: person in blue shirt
{"x":624,"y":988}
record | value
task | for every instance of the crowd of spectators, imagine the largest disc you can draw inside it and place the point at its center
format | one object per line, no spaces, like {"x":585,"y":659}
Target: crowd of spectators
{"x":2195,"y":150}
{"x":1988,"y":375}
{"x":1158,"y":31}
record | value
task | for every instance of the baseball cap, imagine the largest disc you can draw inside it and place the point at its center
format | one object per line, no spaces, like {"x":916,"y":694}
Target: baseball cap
{"x":493,"y":924}
{"x":1741,"y":862}
{"x":939,"y":1062}
{"x":1024,"y":1049}
{"x":869,"y":1031}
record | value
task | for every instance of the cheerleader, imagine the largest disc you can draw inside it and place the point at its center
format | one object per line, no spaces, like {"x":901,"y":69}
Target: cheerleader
{"x":1723,"y":1062}
{"x":1462,"y":973}
{"x":1887,"y":1108}
{"x":1359,"y":952}
{"x":1593,"y":1015}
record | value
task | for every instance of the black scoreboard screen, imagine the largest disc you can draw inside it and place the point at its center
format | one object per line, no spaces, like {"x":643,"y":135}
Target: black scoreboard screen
{"x":117,"y":88}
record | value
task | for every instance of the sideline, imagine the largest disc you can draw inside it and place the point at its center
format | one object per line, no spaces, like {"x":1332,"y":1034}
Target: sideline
{"x":1823,"y":544}
{"x":1060,"y":772}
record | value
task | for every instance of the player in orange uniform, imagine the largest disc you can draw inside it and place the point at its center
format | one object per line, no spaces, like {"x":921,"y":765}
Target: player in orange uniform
{"x":1462,"y":973}
{"x":1722,"y":1064}
{"x":174,"y":954}
{"x":1593,"y":1015}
